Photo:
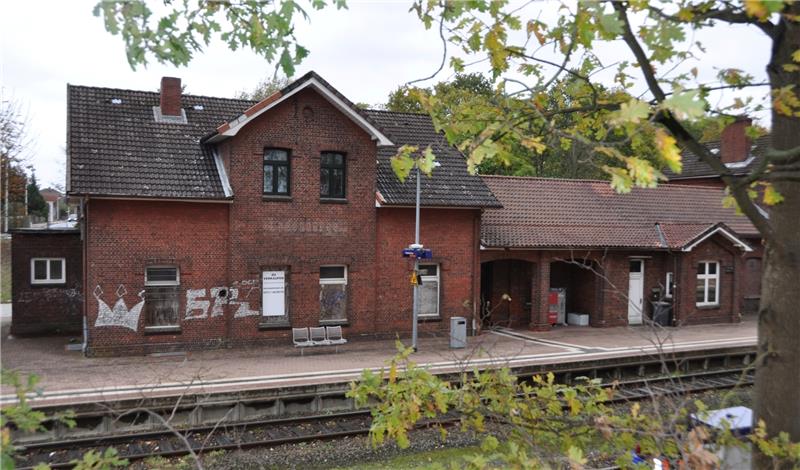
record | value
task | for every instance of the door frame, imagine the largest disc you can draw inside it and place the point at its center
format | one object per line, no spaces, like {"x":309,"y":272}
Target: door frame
{"x":631,"y":307}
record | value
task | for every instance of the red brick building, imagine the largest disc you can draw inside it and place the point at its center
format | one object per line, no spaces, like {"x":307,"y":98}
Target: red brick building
{"x":613,"y":254}
{"x":211,"y":222}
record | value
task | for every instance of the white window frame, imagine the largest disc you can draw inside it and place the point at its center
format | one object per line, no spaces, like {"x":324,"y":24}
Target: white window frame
{"x":707,"y":278}
{"x":668,"y":286}
{"x":334,"y":280}
{"x":436,"y":278}
{"x":49,"y":279}
{"x":176,"y":282}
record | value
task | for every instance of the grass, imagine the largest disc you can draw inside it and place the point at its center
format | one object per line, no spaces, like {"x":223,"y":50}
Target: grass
{"x":5,"y":270}
{"x":440,"y":458}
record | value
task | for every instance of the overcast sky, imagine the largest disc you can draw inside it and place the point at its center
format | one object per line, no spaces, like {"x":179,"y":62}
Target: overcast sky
{"x":365,"y":52}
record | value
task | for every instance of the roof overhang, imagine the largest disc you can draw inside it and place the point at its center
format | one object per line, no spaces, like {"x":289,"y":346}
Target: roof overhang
{"x":230,"y":129}
{"x":717,"y":229}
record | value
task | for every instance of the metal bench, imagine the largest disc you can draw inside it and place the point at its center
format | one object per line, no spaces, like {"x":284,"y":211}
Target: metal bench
{"x":317,"y":336}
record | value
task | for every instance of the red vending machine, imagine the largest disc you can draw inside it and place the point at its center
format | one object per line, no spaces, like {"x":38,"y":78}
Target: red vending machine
{"x":557,"y":306}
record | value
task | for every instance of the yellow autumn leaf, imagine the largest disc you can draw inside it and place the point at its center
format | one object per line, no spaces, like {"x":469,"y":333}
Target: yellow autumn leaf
{"x":669,"y":151}
{"x":756,"y":9}
{"x":771,"y":195}
{"x":534,"y":143}
{"x":796,"y":55}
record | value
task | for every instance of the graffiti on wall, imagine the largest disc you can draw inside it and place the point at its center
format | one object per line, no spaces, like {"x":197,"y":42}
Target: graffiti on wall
{"x":200,"y":303}
{"x":119,"y":315}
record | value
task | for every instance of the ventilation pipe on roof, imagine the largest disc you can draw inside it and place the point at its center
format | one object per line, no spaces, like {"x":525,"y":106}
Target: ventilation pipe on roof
{"x":734,"y":144}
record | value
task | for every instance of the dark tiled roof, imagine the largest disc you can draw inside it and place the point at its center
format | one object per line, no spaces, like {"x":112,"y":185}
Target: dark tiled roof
{"x":694,"y":168}
{"x":558,"y":213}
{"x":451,"y":184}
{"x":120,"y":150}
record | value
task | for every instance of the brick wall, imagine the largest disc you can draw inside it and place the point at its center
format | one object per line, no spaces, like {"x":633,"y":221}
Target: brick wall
{"x":301,"y":232}
{"x":452,"y":236}
{"x":227,"y":246}
{"x":730,"y":261}
{"x":41,"y":309}
{"x":124,"y":237}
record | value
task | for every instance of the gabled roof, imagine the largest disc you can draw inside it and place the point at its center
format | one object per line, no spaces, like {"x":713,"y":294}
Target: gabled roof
{"x":451,"y":184}
{"x":309,"y":80}
{"x":115,"y":146}
{"x":693,"y":167}
{"x":560,"y":213}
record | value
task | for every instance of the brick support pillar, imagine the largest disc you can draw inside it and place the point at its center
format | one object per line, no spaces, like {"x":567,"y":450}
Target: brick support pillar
{"x":540,"y":288}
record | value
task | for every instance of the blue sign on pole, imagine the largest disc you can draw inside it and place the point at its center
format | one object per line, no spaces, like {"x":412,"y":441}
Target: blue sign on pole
{"x":418,"y":253}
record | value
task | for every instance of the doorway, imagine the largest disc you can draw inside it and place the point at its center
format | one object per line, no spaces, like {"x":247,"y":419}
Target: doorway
{"x":635,"y":291}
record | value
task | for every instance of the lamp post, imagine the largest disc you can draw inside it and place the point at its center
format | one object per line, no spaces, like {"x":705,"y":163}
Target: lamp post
{"x":416,"y":271}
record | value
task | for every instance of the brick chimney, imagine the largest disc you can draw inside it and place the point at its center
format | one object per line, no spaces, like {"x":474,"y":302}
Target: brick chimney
{"x":734,"y":143}
{"x":171,"y":96}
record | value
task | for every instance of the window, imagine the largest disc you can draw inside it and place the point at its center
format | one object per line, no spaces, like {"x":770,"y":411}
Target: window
{"x":635,"y":266}
{"x":332,"y":175}
{"x":333,"y":293}
{"x":48,"y":270}
{"x":429,"y":290}
{"x":161,"y":284}
{"x":276,"y":172}
{"x":707,"y":283}
{"x":668,"y":286}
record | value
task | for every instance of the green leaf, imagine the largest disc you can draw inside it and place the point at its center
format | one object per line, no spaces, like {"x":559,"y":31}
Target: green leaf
{"x":685,"y":104}
{"x":611,"y":24}
{"x":633,"y":111}
{"x":402,"y":163}
{"x":426,"y":163}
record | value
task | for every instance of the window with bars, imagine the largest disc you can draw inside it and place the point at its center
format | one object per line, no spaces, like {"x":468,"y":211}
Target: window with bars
{"x":276,"y":172}
{"x":48,"y":270}
{"x":707,"y":292}
{"x":162,"y":296}
{"x":333,"y":293}
{"x":332,"y":175}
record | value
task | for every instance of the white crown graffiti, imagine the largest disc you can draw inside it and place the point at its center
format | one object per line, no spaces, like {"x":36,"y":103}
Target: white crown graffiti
{"x":119,"y":315}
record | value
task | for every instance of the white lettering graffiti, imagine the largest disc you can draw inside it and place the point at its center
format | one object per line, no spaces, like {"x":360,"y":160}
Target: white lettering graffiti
{"x":197,"y":304}
{"x":194,"y":304}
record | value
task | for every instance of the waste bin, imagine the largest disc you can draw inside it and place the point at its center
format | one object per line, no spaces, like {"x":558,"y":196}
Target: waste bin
{"x":662,"y":313}
{"x":458,"y":332}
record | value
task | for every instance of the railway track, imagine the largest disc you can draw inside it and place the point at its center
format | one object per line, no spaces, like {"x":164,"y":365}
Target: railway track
{"x":274,"y":432}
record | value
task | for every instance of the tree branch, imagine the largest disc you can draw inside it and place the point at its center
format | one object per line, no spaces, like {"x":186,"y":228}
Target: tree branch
{"x":684,"y":138}
{"x":726,"y":15}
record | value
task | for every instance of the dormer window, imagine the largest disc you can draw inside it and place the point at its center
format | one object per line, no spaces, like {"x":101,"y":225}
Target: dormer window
{"x":332,"y":180}
{"x":276,"y":172}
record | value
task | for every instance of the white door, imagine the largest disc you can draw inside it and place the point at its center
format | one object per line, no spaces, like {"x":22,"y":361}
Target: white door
{"x":636,"y":292}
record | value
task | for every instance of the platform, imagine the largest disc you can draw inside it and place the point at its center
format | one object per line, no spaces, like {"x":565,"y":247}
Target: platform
{"x":68,"y":377}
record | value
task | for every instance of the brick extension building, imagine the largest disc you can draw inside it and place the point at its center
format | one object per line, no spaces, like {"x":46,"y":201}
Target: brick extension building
{"x":212,"y":222}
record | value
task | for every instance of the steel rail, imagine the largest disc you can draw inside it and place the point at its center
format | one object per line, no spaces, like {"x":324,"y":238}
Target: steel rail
{"x":142,"y":445}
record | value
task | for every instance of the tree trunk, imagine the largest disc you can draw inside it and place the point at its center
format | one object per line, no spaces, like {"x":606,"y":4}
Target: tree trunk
{"x":777,"y":389}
